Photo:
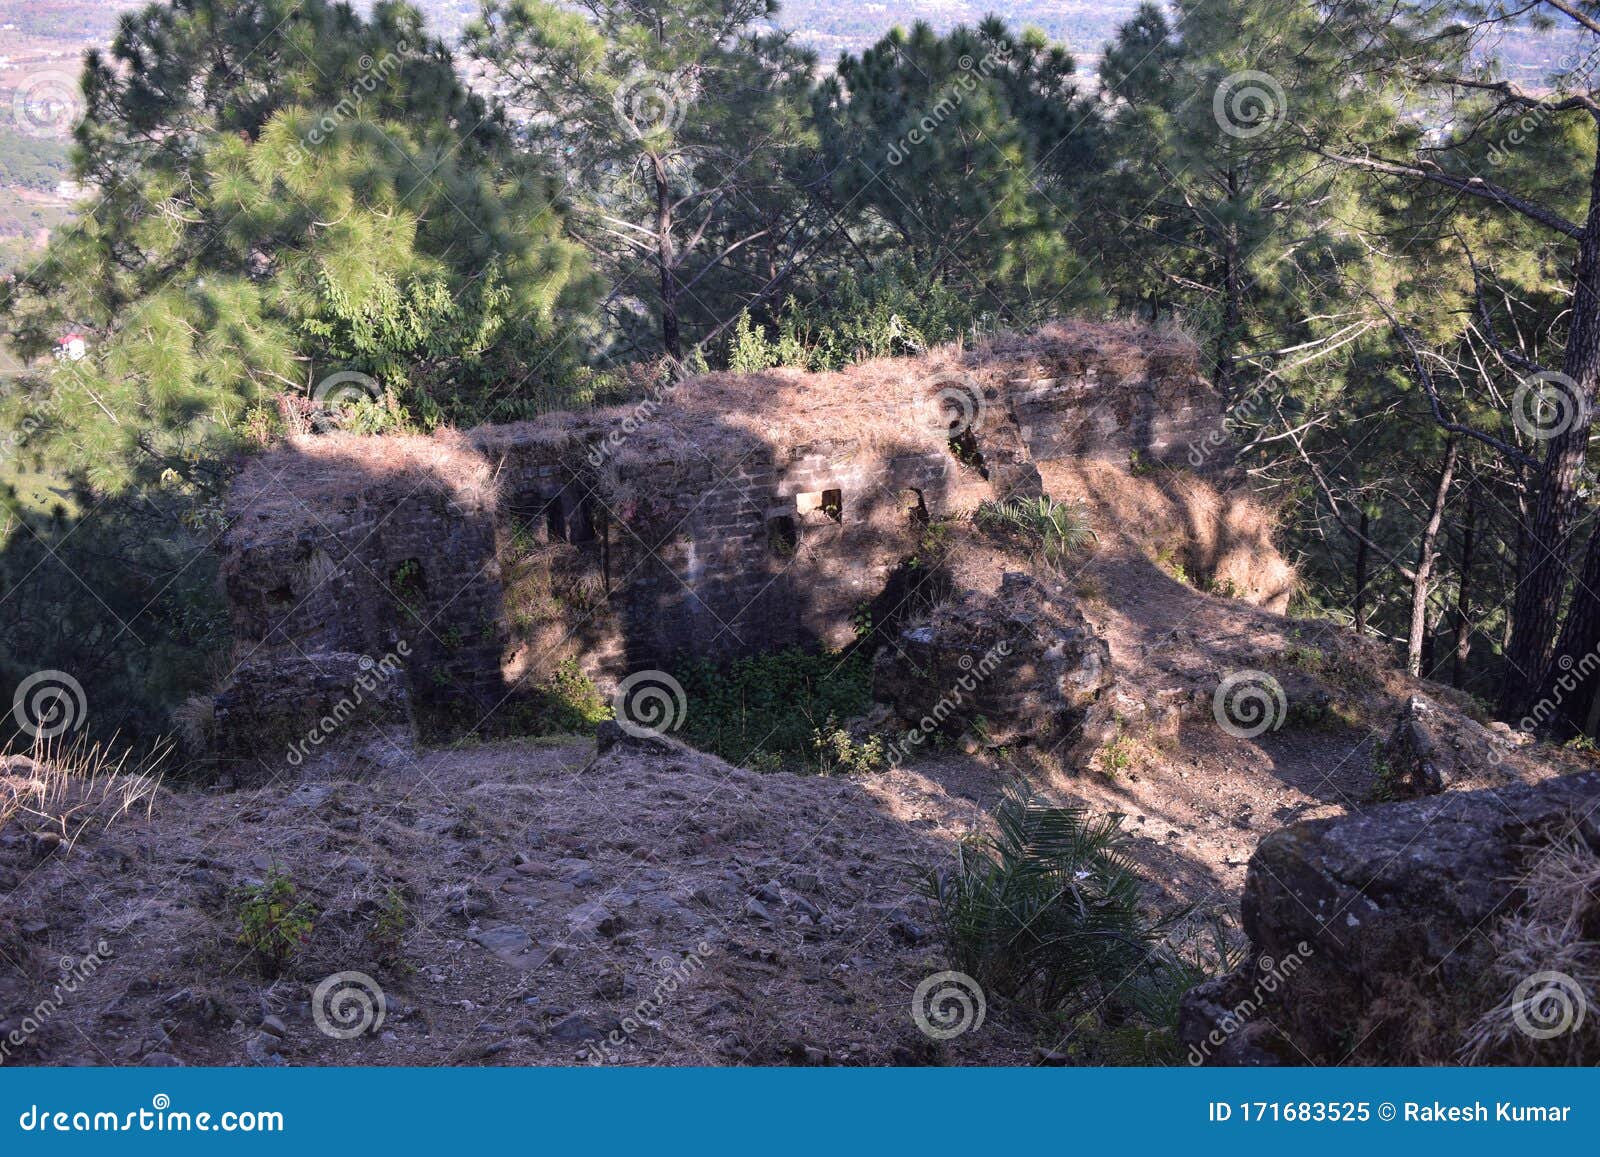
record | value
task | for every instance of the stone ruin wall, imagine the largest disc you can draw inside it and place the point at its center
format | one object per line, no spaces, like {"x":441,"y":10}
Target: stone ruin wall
{"x":639,"y":546}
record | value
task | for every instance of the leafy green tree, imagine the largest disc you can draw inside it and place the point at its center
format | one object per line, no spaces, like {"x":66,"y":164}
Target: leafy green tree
{"x":1441,"y":57}
{"x":1208,"y":201}
{"x":285,"y":189}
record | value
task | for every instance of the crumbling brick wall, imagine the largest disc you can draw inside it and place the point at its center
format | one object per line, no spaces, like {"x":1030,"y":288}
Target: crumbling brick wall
{"x":726,"y":515}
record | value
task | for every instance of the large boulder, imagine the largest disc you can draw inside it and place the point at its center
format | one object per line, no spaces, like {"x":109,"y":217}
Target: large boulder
{"x":1390,"y":915}
{"x":1019,"y":664}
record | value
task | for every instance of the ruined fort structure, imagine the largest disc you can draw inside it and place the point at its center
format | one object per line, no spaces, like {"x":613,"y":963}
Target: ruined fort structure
{"x":722,"y":515}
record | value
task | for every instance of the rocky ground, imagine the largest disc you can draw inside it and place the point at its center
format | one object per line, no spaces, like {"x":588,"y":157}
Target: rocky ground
{"x":761,"y":918}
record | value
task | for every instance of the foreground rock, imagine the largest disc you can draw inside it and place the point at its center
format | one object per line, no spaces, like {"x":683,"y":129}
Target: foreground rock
{"x":1377,"y":937}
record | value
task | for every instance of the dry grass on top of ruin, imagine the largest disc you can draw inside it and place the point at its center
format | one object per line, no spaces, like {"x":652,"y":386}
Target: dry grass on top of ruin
{"x":884,"y":406}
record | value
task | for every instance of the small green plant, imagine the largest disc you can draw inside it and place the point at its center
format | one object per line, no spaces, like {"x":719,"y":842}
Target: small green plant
{"x":579,"y":704}
{"x":836,"y":752}
{"x":1385,"y":782}
{"x":894,"y":311}
{"x":273,"y":924}
{"x":1305,"y":658}
{"x":933,"y":545}
{"x":387,"y":932}
{"x":1118,"y":755}
{"x":406,"y":581}
{"x":1057,"y":529}
{"x":749,"y":351}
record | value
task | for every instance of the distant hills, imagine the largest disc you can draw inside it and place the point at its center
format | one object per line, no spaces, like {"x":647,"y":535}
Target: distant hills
{"x":831,"y":26}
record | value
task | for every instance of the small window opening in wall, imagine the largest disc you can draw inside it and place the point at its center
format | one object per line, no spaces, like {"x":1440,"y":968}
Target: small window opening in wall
{"x":783,"y":535}
{"x":527,"y":512}
{"x":830,"y":502}
{"x":581,"y":526}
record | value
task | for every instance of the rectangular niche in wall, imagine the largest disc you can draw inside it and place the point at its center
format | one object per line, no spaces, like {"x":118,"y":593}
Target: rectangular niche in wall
{"x":829,"y":502}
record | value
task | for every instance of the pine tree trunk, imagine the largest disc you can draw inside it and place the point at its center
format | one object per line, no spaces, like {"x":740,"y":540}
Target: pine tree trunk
{"x":1463,"y":640}
{"x":1232,"y":303}
{"x":1571,"y":682}
{"x":1423,"y":571}
{"x":1542,"y":570}
{"x":666,"y":261}
{"x":1360,"y":607}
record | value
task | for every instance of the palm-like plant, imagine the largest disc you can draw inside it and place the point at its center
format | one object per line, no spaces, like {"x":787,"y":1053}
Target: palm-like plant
{"x":1058,"y":529}
{"x":1047,"y":910}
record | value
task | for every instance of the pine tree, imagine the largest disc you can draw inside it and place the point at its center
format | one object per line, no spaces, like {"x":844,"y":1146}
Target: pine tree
{"x":676,"y":120}
{"x":945,"y":152}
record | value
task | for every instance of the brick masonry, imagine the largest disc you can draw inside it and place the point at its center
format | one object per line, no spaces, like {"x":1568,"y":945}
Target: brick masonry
{"x":628,"y":539}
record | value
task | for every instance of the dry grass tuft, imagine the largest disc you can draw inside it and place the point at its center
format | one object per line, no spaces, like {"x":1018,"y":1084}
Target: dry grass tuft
{"x":59,"y":790}
{"x":1548,"y":954}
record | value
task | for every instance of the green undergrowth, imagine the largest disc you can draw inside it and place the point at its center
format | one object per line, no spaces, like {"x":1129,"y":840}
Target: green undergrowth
{"x":782,"y":709}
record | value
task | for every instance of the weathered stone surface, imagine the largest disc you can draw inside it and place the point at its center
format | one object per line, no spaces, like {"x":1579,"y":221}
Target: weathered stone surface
{"x":284,"y":716}
{"x":1427,"y":752}
{"x":1021,"y":660}
{"x":1399,"y":899}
